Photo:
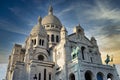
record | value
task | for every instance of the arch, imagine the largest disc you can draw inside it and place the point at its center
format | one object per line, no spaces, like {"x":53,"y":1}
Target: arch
{"x":88,"y":75}
{"x":82,"y":51}
{"x":99,"y":76}
{"x":72,"y":76}
{"x":109,"y":76}
{"x":40,"y":57}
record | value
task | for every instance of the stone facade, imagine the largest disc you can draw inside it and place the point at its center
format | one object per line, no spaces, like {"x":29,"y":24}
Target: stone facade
{"x":51,"y":54}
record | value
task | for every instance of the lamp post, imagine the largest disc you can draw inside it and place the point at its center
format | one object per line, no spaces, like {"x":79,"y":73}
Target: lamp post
{"x":35,"y":77}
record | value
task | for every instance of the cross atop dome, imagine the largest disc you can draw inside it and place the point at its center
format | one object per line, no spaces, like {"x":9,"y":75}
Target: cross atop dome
{"x":50,"y":12}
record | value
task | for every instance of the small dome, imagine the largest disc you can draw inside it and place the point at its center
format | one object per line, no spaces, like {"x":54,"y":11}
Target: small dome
{"x":50,"y":18}
{"x":38,"y":28}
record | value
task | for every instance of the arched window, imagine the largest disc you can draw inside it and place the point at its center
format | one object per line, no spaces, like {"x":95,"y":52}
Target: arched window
{"x":52,"y":38}
{"x":41,"y":57}
{"x":88,"y":75}
{"x":82,"y":51}
{"x":99,"y":76}
{"x":72,"y":76}
{"x":48,"y":37}
{"x":40,"y":42}
{"x":109,"y":76}
{"x":49,"y":76}
{"x":39,"y":76}
{"x":44,"y":74}
{"x":57,"y":38}
{"x":34,"y":41}
{"x":52,"y":25}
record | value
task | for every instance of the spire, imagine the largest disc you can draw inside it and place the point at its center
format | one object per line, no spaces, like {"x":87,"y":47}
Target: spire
{"x":50,"y":10}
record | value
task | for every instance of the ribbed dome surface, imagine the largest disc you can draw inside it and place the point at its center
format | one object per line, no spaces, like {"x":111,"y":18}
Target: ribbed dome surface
{"x":51,"y":19}
{"x":38,"y":29}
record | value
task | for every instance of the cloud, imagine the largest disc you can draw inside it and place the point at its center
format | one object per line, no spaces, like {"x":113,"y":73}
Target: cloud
{"x":3,"y":69}
{"x":102,"y":10}
{"x":108,"y":38}
{"x":8,"y":26}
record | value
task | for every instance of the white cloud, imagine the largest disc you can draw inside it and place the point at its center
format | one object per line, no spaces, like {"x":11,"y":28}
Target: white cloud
{"x":103,"y":11}
{"x":65,"y":11}
{"x":3,"y":69}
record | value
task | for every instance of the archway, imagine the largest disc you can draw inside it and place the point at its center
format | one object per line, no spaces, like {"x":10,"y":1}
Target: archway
{"x":72,"y":76}
{"x":109,"y":76}
{"x":99,"y":76}
{"x":88,"y":75}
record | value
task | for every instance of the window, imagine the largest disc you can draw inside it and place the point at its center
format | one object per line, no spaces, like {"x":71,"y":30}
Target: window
{"x":99,"y":76}
{"x":52,"y":25}
{"x":109,"y":76}
{"x":82,"y":50}
{"x":47,"y":26}
{"x":34,"y":41}
{"x":91,"y":59}
{"x":49,"y":76}
{"x":88,"y":75}
{"x":52,"y":38}
{"x":39,"y":76}
{"x":41,"y":57}
{"x":44,"y":74}
{"x":41,"y":42}
{"x":57,"y":38}
{"x":72,"y":76}
{"x":48,"y":37}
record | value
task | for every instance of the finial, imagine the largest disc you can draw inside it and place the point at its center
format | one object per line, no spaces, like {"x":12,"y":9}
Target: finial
{"x":50,"y":10}
{"x":39,"y":20}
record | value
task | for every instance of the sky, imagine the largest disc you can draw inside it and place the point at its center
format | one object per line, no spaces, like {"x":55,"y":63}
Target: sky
{"x":99,"y":18}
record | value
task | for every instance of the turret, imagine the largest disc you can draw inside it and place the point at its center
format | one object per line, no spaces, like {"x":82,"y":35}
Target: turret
{"x":78,"y":30}
{"x":63,"y":33}
{"x":93,"y":41}
{"x":38,"y":35}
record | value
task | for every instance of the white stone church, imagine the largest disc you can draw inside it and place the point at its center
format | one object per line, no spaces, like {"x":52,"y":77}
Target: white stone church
{"x":51,"y":54}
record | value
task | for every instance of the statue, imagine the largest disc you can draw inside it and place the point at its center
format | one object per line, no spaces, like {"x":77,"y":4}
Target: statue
{"x":108,"y":59}
{"x":74,"y":53}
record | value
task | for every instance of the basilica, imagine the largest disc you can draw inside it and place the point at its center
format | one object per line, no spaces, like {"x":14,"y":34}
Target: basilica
{"x":49,"y":53}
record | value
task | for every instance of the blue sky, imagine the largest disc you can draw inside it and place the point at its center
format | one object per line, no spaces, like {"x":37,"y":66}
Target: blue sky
{"x":99,"y":18}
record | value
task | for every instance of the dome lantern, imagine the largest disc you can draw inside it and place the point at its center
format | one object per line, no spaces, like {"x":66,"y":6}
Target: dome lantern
{"x":50,"y":12}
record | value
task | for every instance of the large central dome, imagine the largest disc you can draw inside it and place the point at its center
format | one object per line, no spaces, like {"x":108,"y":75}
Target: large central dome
{"x":50,"y":18}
